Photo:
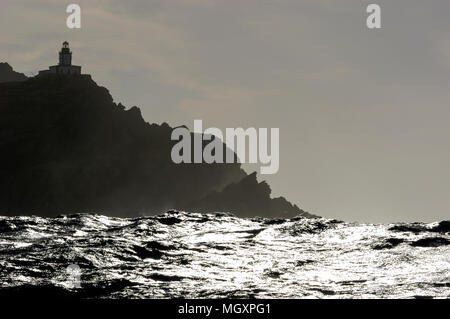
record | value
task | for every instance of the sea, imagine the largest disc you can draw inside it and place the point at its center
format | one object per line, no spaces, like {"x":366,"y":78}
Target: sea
{"x":189,"y":255}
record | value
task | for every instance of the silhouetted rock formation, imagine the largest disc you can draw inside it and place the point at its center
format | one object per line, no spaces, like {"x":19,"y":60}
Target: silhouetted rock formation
{"x":248,"y":197}
{"x":7,"y":74}
{"x":66,"y":147}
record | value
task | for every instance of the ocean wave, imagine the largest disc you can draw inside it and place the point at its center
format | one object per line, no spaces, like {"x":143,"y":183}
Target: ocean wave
{"x":191,"y":255}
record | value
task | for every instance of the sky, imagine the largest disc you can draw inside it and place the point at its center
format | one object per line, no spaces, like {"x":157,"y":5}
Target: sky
{"x":363,"y":114}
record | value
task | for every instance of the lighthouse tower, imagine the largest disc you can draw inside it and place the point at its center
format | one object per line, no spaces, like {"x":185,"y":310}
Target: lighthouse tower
{"x":65,"y":55}
{"x":64,"y":66}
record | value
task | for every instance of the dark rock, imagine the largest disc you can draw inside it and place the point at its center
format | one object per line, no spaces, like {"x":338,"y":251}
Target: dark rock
{"x":68,"y":148}
{"x":250,"y":198}
{"x":7,"y":74}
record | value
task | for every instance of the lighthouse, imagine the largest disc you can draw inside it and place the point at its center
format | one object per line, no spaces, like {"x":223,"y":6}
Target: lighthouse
{"x":65,"y":55}
{"x":64,"y":66}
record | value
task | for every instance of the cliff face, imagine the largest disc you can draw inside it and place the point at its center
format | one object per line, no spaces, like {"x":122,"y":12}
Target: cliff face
{"x":66,"y":147}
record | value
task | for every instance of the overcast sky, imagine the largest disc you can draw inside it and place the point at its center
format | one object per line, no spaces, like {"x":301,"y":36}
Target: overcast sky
{"x":363,"y":114}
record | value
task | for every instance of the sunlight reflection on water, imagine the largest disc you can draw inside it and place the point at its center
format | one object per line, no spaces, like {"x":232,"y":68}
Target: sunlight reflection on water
{"x":202,"y":256}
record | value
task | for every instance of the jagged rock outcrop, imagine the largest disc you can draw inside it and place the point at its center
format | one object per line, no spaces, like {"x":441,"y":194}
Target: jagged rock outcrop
{"x":250,"y":198}
{"x":7,"y":74}
{"x":66,"y":147}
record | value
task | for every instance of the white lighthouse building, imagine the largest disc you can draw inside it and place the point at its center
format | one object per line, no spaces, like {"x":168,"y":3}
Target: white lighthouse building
{"x":65,"y":63}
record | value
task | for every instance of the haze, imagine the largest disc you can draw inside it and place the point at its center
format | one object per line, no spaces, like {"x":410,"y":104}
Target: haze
{"x":363,"y":114}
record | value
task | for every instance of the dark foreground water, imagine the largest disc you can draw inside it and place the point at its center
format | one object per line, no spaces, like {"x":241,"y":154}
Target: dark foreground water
{"x":218,"y":255}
